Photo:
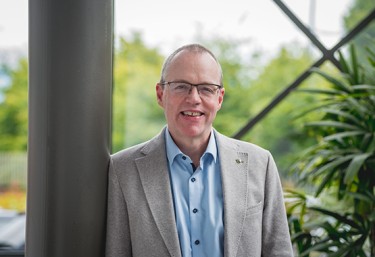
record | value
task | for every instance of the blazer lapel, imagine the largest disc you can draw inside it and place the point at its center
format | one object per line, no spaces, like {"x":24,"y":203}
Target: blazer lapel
{"x":153,"y":171}
{"x":234,"y":179}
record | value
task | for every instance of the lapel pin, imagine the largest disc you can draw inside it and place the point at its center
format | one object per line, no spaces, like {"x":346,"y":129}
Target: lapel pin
{"x":239,"y":161}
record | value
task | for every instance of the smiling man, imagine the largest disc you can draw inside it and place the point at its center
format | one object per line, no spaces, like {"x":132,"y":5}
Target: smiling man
{"x":192,"y":191}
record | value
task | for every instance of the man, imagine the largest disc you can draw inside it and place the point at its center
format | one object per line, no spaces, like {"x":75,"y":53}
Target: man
{"x":191,"y":191}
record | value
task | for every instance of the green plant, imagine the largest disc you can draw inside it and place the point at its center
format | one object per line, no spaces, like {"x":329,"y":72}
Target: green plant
{"x":343,"y":160}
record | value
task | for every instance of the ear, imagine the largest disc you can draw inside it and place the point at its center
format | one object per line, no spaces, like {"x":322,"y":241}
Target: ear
{"x":221,"y":97}
{"x":159,"y":94}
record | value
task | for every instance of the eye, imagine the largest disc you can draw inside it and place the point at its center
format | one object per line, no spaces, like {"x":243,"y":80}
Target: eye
{"x":180,"y":86}
{"x":207,"y":89}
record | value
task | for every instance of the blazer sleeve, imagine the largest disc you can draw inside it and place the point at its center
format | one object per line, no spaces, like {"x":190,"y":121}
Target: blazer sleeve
{"x":118,"y":242}
{"x":275,"y":236}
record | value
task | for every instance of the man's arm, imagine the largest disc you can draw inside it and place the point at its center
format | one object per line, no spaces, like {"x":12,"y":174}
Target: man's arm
{"x":276,"y":237}
{"x":118,"y":242}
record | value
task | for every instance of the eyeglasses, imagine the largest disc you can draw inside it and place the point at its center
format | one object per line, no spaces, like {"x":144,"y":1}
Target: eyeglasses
{"x":184,"y":88}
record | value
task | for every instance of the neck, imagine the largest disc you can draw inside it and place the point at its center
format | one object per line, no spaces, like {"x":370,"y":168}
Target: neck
{"x":192,"y":147}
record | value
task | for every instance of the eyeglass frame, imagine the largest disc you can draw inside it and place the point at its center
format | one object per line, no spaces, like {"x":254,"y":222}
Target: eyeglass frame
{"x":193,"y":85}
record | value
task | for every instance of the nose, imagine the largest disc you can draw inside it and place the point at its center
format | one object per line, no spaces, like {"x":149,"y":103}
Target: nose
{"x":193,"y":95}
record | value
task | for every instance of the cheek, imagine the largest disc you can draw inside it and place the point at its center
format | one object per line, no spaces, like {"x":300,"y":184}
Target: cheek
{"x":170,"y":105}
{"x":215,"y":106}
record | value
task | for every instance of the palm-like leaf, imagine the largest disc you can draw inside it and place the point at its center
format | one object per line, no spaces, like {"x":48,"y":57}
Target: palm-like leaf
{"x":342,"y":159}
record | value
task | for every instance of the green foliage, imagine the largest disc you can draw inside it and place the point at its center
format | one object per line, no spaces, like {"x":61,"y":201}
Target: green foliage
{"x":237,"y":70}
{"x":359,"y":10}
{"x":136,"y":115}
{"x":279,"y":131}
{"x":13,"y":109}
{"x":13,"y":170}
{"x":343,"y":160}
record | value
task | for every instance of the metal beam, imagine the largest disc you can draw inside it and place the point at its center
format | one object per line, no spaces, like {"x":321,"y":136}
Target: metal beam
{"x":327,"y":55}
{"x":70,"y":79}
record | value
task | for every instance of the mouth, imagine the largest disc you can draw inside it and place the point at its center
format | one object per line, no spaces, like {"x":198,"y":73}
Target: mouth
{"x":192,"y":114}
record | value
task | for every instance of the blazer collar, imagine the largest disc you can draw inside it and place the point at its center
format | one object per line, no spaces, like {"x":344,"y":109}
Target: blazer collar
{"x":154,"y":175}
{"x":234,"y":165}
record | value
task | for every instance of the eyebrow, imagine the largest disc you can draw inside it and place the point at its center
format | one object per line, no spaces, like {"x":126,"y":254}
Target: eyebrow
{"x":200,"y":83}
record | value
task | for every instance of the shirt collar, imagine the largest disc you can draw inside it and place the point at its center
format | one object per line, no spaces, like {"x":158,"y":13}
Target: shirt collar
{"x":173,"y":150}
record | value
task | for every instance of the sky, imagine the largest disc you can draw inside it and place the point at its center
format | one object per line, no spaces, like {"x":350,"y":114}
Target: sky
{"x":167,"y":24}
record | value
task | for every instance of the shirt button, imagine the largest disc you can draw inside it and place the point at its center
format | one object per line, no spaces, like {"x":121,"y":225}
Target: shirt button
{"x":197,"y":242}
{"x":195,"y":210}
{"x":183,"y":157}
{"x":193,"y":180}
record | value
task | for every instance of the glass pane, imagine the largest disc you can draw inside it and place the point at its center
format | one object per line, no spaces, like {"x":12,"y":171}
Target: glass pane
{"x":13,"y":123}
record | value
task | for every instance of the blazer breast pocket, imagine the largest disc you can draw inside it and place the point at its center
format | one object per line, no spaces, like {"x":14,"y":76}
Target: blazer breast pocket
{"x":253,"y":209}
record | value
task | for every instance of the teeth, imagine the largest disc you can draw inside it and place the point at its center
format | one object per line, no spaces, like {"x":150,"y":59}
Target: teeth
{"x":192,"y":113}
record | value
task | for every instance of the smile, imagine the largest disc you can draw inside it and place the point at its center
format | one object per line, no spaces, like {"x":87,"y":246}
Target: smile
{"x":193,"y":114}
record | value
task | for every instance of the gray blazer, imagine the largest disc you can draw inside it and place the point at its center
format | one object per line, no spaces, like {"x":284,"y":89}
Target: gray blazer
{"x":141,"y":218}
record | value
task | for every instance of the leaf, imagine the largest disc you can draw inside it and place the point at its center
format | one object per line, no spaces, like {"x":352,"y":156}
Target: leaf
{"x":338,"y":217}
{"x":371,"y":61}
{"x":337,"y":83}
{"x":343,"y":135}
{"x":361,"y":197}
{"x":321,"y":246}
{"x":355,"y":74}
{"x":333,"y":164}
{"x":341,"y":251}
{"x":354,"y":166}
{"x":371,"y":53}
{"x":320,"y":91}
{"x":315,"y":108}
{"x":327,"y":179}
{"x":358,"y":106}
{"x":365,"y":142}
{"x":363,"y":87}
{"x":343,"y":114}
{"x":371,"y":147}
{"x":344,"y":65}
{"x":296,"y":194}
{"x":331,"y":123}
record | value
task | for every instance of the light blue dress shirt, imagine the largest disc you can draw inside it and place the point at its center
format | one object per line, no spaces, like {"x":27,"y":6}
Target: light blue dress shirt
{"x":198,"y":200}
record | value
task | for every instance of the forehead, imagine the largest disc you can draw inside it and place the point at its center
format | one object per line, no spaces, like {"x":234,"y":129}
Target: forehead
{"x":193,"y":66}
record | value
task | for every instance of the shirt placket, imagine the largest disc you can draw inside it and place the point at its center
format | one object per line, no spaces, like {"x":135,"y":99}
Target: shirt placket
{"x":196,"y":214}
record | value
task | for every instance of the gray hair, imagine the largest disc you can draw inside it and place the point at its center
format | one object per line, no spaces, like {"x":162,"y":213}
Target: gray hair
{"x":196,"y":48}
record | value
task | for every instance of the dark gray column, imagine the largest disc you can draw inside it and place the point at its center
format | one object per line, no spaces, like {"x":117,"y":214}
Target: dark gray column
{"x":70,"y":54}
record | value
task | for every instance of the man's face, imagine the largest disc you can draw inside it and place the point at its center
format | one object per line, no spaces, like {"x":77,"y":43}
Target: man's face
{"x":190,"y":116}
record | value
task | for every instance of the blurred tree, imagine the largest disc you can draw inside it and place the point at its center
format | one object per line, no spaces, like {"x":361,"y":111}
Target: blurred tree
{"x":237,"y":78}
{"x":136,"y":114}
{"x":13,"y":109}
{"x":280,"y":131}
{"x":359,"y":10}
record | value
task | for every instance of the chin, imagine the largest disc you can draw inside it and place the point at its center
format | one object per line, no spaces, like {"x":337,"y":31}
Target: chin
{"x":194,"y":132}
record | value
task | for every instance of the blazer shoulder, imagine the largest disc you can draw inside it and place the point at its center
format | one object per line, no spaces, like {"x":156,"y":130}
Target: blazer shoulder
{"x":241,"y":146}
{"x":140,"y":150}
{"x":130,"y":152}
